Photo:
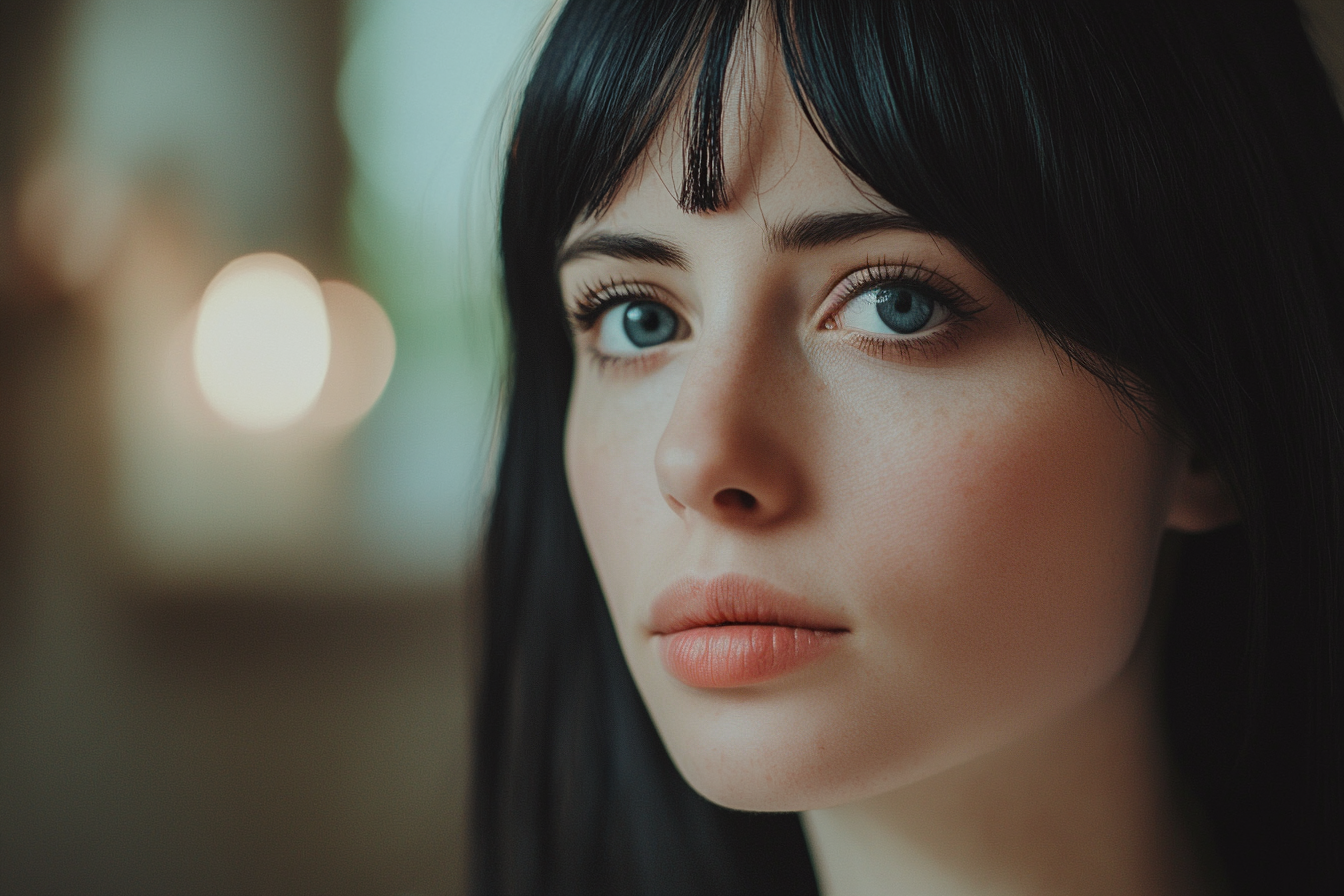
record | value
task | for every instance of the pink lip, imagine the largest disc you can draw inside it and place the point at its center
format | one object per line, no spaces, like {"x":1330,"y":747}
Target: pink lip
{"x":733,"y":631}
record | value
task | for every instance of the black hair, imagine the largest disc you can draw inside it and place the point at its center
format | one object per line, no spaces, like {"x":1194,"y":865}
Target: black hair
{"x":1158,"y":185}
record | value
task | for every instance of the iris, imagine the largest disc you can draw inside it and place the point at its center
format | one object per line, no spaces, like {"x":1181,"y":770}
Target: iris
{"x":902,"y":308}
{"x":648,"y":323}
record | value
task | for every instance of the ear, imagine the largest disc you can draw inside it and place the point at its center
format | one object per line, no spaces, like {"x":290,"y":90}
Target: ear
{"x":1200,"y":501}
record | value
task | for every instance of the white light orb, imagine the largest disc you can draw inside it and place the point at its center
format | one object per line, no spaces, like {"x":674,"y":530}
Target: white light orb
{"x":262,"y":343}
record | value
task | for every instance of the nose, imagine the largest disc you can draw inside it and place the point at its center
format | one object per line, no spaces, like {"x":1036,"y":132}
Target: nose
{"x":732,"y":448}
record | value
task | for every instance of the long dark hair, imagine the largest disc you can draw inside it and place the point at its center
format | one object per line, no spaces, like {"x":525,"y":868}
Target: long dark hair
{"x":1160,"y":186}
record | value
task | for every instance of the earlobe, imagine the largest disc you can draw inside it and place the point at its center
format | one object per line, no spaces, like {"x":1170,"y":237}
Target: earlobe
{"x":1200,"y":499}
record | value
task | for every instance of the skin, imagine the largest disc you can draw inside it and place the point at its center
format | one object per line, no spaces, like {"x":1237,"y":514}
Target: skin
{"x":978,"y":511}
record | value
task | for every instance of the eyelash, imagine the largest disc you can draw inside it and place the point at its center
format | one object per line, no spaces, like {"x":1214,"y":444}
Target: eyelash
{"x":592,"y":302}
{"x":595,"y":301}
{"x":961,"y":308}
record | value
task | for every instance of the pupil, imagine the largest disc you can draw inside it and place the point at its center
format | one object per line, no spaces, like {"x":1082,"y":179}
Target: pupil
{"x":903,"y":309}
{"x":647,"y":324}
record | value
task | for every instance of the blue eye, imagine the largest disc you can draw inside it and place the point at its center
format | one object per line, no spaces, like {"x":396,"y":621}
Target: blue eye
{"x":894,"y":308}
{"x":632,"y":326}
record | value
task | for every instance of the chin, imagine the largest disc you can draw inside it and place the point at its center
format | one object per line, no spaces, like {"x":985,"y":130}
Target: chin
{"x":799,"y":749}
{"x":782,"y":785}
{"x":759,"y":789}
{"x":763,"y":758}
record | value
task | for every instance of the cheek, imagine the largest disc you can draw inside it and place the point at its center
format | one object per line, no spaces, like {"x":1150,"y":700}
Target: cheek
{"x":1006,"y":552}
{"x":609,"y":449}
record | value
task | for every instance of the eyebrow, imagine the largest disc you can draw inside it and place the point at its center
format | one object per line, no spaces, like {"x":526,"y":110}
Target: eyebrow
{"x":627,"y":246}
{"x":793,"y":235}
{"x":814,"y":231}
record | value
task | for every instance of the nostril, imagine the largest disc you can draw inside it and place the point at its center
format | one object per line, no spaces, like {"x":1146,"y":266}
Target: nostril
{"x":735,"y":498}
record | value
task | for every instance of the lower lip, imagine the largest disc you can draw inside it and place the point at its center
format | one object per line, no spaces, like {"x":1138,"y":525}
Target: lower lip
{"x":734,"y":656}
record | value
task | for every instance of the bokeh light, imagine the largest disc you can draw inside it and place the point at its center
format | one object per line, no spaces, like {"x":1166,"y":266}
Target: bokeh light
{"x":262,"y":345}
{"x":363,"y":349}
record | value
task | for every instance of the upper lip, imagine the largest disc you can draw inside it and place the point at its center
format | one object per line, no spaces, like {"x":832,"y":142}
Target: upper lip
{"x":734,"y":599}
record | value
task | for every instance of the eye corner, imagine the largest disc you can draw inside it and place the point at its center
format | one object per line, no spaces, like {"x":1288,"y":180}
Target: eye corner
{"x":581,"y":316}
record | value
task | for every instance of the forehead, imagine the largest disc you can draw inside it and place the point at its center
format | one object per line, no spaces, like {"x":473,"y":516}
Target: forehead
{"x":775,"y":165}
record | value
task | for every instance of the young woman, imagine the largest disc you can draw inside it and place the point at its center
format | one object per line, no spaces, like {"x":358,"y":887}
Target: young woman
{"x":925,"y":418}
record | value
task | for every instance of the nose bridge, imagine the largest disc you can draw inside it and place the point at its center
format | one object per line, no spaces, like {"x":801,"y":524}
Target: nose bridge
{"x":727,"y":450}
{"x":732,"y":365}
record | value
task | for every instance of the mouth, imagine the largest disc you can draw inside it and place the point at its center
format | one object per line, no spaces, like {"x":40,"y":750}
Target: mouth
{"x":733,"y":631}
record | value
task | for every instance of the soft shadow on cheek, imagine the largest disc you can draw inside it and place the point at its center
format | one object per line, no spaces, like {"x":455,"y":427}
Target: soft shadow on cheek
{"x":1017,"y":560}
{"x":609,"y":452}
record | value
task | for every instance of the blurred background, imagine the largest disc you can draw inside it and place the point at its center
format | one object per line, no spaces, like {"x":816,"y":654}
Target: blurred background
{"x":236,"y":602}
{"x":250,"y":364}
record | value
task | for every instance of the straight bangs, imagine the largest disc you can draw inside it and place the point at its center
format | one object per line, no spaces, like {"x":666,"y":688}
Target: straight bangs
{"x":1159,"y":190}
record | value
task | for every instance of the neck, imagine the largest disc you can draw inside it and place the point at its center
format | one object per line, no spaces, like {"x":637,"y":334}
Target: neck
{"x":1081,"y":807}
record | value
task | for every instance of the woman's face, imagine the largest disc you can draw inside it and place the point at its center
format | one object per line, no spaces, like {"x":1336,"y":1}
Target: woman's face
{"x":855,"y":519}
